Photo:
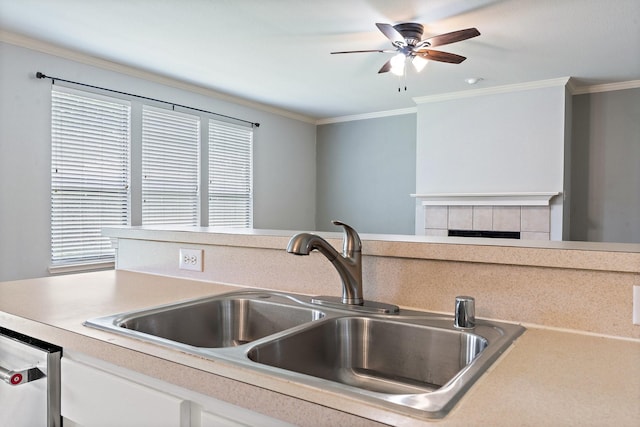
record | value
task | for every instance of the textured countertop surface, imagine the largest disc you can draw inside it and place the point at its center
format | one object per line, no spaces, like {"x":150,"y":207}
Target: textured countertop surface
{"x":547,"y":378}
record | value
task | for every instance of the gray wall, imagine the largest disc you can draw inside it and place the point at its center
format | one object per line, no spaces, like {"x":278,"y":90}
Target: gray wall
{"x":284,"y":154}
{"x":365,"y":168}
{"x":603,"y":156}
{"x":605,"y":205}
{"x":366,"y":171}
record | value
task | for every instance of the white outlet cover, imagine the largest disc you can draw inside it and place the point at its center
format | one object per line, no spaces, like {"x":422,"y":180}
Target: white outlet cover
{"x":190,"y":259}
{"x":636,"y":305}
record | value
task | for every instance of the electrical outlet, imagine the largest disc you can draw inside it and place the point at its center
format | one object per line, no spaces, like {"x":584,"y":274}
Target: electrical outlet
{"x":191,"y":259}
{"x":636,"y":305}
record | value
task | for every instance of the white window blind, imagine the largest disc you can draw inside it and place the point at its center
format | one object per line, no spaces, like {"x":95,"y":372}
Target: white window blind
{"x":170,"y":160}
{"x":230,"y":175}
{"x":89,"y":174}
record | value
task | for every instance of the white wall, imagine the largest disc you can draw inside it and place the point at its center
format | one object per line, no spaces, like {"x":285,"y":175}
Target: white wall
{"x":284,"y":154}
{"x":510,"y":141}
{"x":501,"y":142}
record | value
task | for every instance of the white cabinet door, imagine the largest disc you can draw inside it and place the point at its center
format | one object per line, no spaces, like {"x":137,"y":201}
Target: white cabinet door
{"x":91,"y":397}
{"x":228,"y":417}
{"x":213,"y":420}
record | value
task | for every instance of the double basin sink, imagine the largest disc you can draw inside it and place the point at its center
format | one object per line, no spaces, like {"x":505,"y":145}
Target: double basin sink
{"x":414,"y":362}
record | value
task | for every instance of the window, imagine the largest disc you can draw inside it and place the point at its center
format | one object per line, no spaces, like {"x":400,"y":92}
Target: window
{"x":89,"y":174}
{"x":230,"y":177}
{"x":91,"y":186}
{"x":170,"y":173}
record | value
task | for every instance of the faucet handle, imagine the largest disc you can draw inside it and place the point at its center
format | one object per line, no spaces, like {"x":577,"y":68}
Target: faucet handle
{"x":465,"y":314}
{"x":351,"y":242}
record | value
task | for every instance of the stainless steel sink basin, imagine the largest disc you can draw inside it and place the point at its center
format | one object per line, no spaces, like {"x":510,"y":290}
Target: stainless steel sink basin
{"x":378,"y":355}
{"x":413,"y":362}
{"x":213,"y":322}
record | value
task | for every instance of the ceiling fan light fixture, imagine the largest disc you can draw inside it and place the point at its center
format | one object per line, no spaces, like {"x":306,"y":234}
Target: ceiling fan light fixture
{"x":398,"y":63}
{"x":419,"y":63}
{"x":406,"y":38}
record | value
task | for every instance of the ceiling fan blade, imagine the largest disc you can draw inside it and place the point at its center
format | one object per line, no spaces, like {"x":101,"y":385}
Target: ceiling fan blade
{"x":391,"y":33}
{"x":436,"y":55}
{"x":452,"y":37}
{"x":364,"y":51}
{"x":386,"y":67}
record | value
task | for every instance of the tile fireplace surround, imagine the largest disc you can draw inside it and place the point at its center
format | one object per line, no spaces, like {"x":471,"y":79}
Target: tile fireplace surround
{"x":526,"y":213}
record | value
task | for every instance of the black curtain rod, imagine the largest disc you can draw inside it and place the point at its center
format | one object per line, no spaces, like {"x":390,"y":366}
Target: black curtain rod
{"x":40,"y":75}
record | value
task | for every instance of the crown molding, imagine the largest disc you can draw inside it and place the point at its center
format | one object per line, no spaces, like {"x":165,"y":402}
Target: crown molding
{"x":607,"y":87}
{"x":571,"y":86}
{"x":374,"y":115}
{"x":51,"y":49}
{"x":492,"y":90}
{"x":568,"y":82}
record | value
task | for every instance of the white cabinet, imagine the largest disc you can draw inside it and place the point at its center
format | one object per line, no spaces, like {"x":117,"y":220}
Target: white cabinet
{"x":91,"y":397}
{"x":95,"y":394}
{"x":209,"y":419}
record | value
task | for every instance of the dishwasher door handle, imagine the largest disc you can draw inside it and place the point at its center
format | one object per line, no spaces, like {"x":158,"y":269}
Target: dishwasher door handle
{"x":21,"y":376}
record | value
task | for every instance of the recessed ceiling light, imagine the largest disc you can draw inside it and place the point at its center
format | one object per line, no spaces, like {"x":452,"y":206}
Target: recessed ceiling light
{"x":473,"y":80}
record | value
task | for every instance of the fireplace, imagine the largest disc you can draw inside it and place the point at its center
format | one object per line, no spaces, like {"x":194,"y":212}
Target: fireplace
{"x":485,"y":233}
{"x":526,"y":216}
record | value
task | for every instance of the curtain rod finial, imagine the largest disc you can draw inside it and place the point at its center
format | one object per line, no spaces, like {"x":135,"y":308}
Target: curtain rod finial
{"x":40,"y":75}
{"x":257,"y":125}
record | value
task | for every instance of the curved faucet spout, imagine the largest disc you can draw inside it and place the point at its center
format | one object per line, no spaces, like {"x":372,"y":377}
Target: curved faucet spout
{"x":348,"y":265}
{"x":304,"y":243}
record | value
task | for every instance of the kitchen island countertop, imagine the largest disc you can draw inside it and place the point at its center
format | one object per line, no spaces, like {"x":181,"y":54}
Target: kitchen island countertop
{"x":547,"y":378}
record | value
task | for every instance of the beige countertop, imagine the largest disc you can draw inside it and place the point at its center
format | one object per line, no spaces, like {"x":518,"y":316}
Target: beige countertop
{"x":580,"y":255}
{"x":547,"y":378}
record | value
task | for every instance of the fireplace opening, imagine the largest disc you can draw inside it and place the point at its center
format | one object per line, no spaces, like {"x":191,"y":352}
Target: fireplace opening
{"x":485,"y":233}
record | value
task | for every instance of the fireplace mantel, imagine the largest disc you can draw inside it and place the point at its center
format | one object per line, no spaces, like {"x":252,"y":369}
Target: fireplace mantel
{"x":527,"y":213}
{"x":486,"y":199}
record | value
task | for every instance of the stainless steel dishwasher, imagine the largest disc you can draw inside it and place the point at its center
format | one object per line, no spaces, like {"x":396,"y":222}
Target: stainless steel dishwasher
{"x":29,"y":381}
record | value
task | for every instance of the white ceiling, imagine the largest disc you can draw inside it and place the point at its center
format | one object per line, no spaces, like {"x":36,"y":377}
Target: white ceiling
{"x":276,"y":52}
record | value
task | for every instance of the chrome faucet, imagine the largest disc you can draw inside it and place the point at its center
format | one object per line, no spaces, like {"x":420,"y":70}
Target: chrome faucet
{"x":349,"y":264}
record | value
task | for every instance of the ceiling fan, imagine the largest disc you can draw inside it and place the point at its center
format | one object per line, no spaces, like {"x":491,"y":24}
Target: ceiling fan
{"x":406,"y":38}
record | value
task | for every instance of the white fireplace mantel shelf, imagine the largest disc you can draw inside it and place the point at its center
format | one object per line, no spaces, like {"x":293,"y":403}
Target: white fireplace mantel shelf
{"x":485,"y":199}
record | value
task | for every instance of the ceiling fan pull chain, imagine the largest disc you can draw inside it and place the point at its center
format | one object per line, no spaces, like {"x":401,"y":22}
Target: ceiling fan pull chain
{"x":404,"y":75}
